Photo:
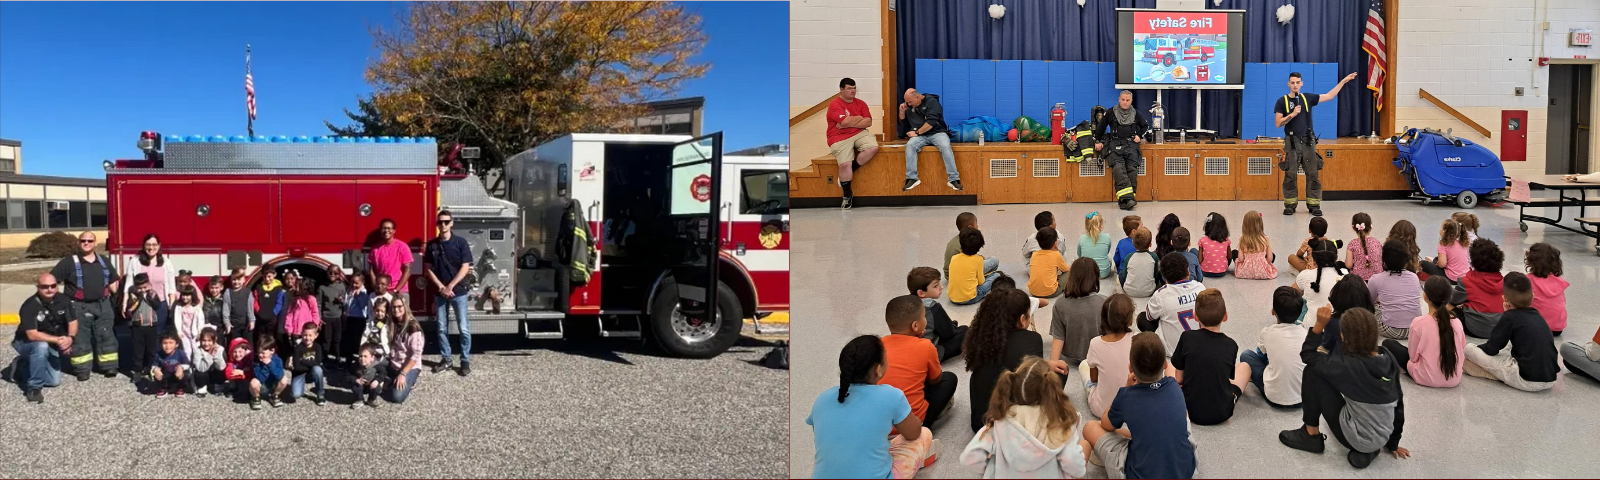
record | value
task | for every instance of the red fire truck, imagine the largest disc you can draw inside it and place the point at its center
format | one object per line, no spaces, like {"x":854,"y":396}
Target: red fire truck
{"x":1168,"y":51}
{"x":666,"y":217}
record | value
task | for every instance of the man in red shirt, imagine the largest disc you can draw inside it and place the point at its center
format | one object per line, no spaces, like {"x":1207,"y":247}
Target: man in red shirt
{"x":848,"y":139}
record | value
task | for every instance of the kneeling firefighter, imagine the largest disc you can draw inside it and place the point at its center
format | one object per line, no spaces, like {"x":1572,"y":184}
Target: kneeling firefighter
{"x":1117,"y":137}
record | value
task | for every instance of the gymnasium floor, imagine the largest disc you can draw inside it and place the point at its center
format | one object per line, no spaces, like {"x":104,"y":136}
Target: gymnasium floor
{"x":848,"y":264}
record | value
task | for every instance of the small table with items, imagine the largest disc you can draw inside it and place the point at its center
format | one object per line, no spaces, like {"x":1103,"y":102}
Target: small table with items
{"x":1568,"y":194}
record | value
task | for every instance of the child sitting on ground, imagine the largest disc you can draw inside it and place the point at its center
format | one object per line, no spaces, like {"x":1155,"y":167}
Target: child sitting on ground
{"x":968,"y":280}
{"x":853,"y":424}
{"x":1031,"y":429}
{"x":913,"y":362}
{"x":1206,"y":360}
{"x":1396,"y":292}
{"x":1171,"y":308}
{"x":1275,"y":364}
{"x":240,"y":368}
{"x":209,"y":362}
{"x":1139,"y":274}
{"x":1437,"y":346}
{"x":1301,"y":259}
{"x":1180,"y":244}
{"x":268,"y":374}
{"x":1531,"y":366}
{"x":1483,"y":305}
{"x":946,"y":335}
{"x":1549,"y":289}
{"x":1406,"y":233}
{"x":1108,"y":353}
{"x":1031,"y":244}
{"x":170,"y":368}
{"x":964,"y":221}
{"x":1255,"y":255}
{"x":1583,"y":360}
{"x":1469,"y":225}
{"x":1320,"y":270}
{"x":1048,"y":273}
{"x":306,"y":366}
{"x":1074,"y":318}
{"x":1364,"y":255}
{"x":1215,"y":247}
{"x":1095,"y":243}
{"x":368,"y":383}
{"x":1125,"y":246}
{"x":1452,"y":258}
{"x":1164,"y":231}
{"x":1150,"y":403}
{"x":1356,"y":388}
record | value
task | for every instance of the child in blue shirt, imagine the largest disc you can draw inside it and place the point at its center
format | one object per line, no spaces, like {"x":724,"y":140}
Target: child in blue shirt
{"x":268,"y":373}
{"x":1125,"y":247}
{"x":851,"y":422}
{"x":1145,"y":432}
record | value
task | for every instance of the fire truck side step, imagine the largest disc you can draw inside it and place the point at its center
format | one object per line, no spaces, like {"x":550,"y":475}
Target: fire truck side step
{"x":543,"y":326}
{"x":621,"y":326}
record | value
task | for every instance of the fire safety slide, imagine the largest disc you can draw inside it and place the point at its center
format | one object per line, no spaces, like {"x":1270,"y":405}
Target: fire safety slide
{"x":1180,"y":47}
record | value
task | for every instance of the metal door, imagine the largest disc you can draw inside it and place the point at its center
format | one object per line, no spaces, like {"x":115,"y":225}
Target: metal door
{"x":696,"y":212}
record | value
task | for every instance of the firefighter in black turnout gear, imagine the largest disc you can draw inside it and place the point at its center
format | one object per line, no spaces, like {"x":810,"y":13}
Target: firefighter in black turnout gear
{"x":89,"y":280}
{"x":1292,"y":112}
{"x":1118,"y":135}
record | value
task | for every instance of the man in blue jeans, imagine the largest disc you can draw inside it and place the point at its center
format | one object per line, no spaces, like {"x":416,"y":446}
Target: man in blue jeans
{"x":43,"y":336}
{"x":447,"y":259}
{"x":925,"y":125}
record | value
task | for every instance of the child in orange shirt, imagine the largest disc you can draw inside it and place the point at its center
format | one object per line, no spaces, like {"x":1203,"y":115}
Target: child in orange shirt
{"x":913,"y":362}
{"x":1047,"y":272}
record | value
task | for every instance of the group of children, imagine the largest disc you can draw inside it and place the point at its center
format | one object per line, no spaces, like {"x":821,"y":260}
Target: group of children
{"x":275,"y":338}
{"x":1322,"y":356}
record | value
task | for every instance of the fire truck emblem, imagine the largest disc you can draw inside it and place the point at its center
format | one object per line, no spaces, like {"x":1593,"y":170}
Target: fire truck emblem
{"x":770,"y":236}
{"x":701,"y":188}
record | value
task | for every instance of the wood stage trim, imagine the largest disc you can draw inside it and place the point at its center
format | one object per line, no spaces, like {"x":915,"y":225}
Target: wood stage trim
{"x":1008,"y":172}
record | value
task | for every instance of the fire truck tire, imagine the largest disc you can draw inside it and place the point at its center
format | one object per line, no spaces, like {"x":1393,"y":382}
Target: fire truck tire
{"x":1168,"y":60}
{"x":700,"y":343}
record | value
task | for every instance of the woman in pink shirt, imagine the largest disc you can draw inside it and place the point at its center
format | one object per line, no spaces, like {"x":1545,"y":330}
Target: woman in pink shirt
{"x":1549,"y":289}
{"x":1365,"y":255}
{"x":157,"y":267}
{"x":1437,"y":340}
{"x":392,"y":257}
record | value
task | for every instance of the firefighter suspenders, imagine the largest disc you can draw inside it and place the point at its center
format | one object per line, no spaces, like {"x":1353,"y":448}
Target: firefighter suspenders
{"x":77,"y":268}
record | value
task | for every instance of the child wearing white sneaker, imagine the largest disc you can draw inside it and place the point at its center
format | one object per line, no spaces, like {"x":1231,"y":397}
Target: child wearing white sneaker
{"x":209,"y":360}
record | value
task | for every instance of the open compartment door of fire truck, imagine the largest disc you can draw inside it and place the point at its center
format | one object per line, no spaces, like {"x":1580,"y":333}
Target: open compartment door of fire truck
{"x":687,"y":324}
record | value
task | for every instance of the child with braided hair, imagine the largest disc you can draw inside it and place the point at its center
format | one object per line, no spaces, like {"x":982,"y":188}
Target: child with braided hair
{"x":852,"y":423}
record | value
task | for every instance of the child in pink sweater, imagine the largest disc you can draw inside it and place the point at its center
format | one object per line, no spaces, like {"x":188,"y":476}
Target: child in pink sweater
{"x":1549,"y":289}
{"x":1438,"y":342}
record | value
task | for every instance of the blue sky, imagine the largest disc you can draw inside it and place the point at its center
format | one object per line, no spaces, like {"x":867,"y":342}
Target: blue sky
{"x":79,"y":81}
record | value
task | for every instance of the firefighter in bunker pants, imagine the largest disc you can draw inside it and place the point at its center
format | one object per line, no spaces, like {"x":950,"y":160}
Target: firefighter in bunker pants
{"x":88,"y":281}
{"x":1118,"y":135}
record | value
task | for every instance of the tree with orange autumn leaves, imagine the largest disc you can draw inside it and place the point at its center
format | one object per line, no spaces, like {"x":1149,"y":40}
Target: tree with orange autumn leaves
{"x":507,"y":76}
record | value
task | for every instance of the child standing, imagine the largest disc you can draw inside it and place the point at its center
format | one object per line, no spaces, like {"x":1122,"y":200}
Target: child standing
{"x":1125,"y":246}
{"x":306,"y":365}
{"x":1319,"y":269}
{"x":1396,"y":292}
{"x":302,"y":309}
{"x":240,"y":307}
{"x":1048,"y":273}
{"x":368,"y":383}
{"x":968,"y":280}
{"x":268,"y":374}
{"x":1108,"y":353}
{"x":1482,"y":285}
{"x":946,"y":335}
{"x":913,"y":362}
{"x":1212,"y":378}
{"x":1452,"y":259}
{"x":268,"y":302}
{"x":209,"y":362}
{"x":215,"y":310}
{"x":1031,"y":429}
{"x":1031,"y":244}
{"x":1214,"y":247}
{"x":1549,"y":289}
{"x":952,"y":248}
{"x":1435,"y":356}
{"x":1531,"y":366}
{"x":189,"y":320}
{"x":1356,"y":388}
{"x":1073,"y":319}
{"x":1139,"y":274}
{"x":1180,"y":244}
{"x":1255,"y":251}
{"x":1275,"y":364}
{"x":358,"y":307}
{"x":377,"y":331}
{"x":331,"y":298}
{"x":853,"y":423}
{"x":169,"y":367}
{"x":1171,"y":309}
{"x":145,"y":311}
{"x":1151,"y":406}
{"x":1363,"y":256}
{"x":1095,"y":243}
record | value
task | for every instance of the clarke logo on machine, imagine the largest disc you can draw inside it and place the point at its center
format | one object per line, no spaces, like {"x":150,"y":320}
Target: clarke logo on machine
{"x":701,"y":188}
{"x":1450,"y":159}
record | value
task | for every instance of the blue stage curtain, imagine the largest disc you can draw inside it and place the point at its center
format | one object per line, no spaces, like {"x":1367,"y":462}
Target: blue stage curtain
{"x":1322,"y":31}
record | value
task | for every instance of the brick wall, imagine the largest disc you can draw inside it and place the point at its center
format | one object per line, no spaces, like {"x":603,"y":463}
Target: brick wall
{"x":829,"y":40}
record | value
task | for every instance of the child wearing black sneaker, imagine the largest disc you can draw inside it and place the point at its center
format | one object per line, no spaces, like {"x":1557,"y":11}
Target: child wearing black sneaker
{"x":1355,"y":387}
{"x":945,"y":334}
{"x":268,"y":373}
{"x":306,"y":365}
{"x":368,"y":382}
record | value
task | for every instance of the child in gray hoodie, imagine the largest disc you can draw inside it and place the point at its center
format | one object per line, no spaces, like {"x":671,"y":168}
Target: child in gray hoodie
{"x":1031,"y":429}
{"x":1356,"y":388}
{"x":209,"y":359}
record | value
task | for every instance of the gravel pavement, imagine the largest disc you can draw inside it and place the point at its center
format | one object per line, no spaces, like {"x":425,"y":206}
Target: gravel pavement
{"x":583,"y":408}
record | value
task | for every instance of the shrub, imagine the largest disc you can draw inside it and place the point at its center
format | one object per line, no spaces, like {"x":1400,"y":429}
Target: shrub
{"x":53,"y":245}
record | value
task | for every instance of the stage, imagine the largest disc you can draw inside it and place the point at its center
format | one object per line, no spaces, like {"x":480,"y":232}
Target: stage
{"x":1008,"y":172}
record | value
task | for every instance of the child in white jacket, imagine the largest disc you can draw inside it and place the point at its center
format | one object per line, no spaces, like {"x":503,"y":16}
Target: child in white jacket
{"x":190,"y":319}
{"x":1031,"y":429}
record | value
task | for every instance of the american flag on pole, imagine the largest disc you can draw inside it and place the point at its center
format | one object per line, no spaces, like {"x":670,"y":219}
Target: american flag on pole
{"x":249,"y":94}
{"x":1377,"y":48}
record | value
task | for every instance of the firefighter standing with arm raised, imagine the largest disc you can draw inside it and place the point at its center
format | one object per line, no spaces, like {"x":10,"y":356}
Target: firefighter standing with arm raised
{"x":1117,"y":137}
{"x":89,"y":280}
{"x":1293,"y":114}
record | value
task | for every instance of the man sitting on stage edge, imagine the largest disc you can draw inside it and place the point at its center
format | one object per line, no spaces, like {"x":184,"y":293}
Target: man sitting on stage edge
{"x":1300,"y":143}
{"x":848,"y":139}
{"x":924,"y":125}
{"x":1123,"y":130}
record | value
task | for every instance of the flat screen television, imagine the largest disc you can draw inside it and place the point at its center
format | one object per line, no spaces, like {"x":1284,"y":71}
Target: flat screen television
{"x":1180,"y":49}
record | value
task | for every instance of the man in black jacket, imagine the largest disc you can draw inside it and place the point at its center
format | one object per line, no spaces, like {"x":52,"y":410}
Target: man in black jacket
{"x":1122,"y":129}
{"x":924,"y":124}
{"x":43,"y":337}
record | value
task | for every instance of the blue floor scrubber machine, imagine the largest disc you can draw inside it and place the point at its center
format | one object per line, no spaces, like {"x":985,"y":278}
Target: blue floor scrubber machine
{"x":1441,"y":167}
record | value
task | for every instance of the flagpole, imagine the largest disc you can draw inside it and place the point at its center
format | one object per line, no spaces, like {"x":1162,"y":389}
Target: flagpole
{"x":250,"y":119}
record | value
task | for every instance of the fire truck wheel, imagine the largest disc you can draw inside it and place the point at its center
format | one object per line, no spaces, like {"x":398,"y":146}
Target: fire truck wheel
{"x":1168,"y":60}
{"x":685,"y":337}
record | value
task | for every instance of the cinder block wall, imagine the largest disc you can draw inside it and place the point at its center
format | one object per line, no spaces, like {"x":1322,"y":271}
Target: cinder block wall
{"x":830,"y":40}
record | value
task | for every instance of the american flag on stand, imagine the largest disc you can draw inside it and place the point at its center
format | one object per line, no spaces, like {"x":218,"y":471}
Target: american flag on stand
{"x":249,"y":94}
{"x":1377,"y":48}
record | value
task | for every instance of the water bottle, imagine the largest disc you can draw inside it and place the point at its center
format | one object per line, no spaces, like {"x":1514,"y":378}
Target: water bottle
{"x":1156,"y":115}
{"x":980,"y":138}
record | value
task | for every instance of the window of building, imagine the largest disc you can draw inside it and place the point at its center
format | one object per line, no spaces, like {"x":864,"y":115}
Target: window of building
{"x":8,"y":165}
{"x":13,"y":214}
{"x":58,"y":215}
{"x":5,"y":218}
{"x":764,"y":192}
{"x":97,"y":215}
{"x":34,"y":211}
{"x":78,"y":214}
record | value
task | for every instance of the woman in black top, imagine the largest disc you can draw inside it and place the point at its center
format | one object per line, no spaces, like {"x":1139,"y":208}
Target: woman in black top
{"x":997,"y":342}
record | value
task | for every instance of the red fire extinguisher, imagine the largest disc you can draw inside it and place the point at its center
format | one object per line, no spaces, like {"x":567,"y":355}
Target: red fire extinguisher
{"x":1058,"y":123}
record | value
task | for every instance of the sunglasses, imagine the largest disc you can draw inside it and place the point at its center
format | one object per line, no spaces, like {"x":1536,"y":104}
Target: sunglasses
{"x":47,"y":286}
{"x":85,"y":242}
{"x":445,"y":222}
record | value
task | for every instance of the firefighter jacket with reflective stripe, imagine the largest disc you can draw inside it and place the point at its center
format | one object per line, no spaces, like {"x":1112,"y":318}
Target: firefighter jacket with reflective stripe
{"x":576,"y":244}
{"x":1078,"y":144}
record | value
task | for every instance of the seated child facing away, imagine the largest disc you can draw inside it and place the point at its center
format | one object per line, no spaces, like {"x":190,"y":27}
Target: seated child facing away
{"x":852,"y":424}
{"x":1125,"y":246}
{"x":1482,"y":285}
{"x":1108,"y":353}
{"x":1074,"y":319}
{"x":1255,"y":251}
{"x":1364,"y":255}
{"x":952,"y":248}
{"x":1319,"y":272}
{"x":945,"y":334}
{"x":1031,"y":244}
{"x":968,"y":280}
{"x":1180,"y":244}
{"x":1095,"y":243}
{"x":1469,"y":225}
{"x":1275,"y":364}
{"x":306,"y":366}
{"x":268,"y":374}
{"x":1436,"y":352}
{"x":1215,"y":247}
{"x":1140,"y":274}
{"x":1206,"y":360}
{"x":1156,"y":442}
{"x":1171,"y":309}
{"x":169,"y":368}
{"x":210,"y":360}
{"x":1355,"y":388}
{"x":1549,"y":289}
{"x":1031,"y":429}
{"x":1452,"y":255}
{"x":913,"y":362}
{"x":1300,"y":260}
{"x":1531,"y":366}
{"x":1048,"y":273}
{"x":368,"y":382}
{"x":1396,"y":292}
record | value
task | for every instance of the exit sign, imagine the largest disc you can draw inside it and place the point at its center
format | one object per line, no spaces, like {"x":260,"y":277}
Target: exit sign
{"x":1579,"y":38}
